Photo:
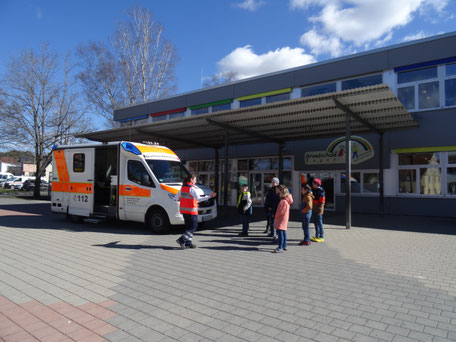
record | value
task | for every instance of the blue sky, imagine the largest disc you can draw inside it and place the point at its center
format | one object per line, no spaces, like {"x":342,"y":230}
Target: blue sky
{"x":249,"y":37}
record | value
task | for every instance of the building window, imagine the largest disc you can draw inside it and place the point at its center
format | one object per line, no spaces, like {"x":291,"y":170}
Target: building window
{"x":198,"y":111}
{"x":159,"y":118}
{"x":361,"y":182}
{"x":427,"y":173}
{"x":176,"y":115}
{"x":218,"y":108}
{"x":417,"y":75}
{"x":362,"y":82}
{"x":318,"y":89}
{"x":78,"y":162}
{"x":427,"y":88}
{"x":251,"y":102}
{"x":278,"y":97}
{"x":407,"y":181}
{"x":428,"y":95}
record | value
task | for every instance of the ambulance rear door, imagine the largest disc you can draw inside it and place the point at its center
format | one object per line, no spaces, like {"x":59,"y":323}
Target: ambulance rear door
{"x":81,"y":167}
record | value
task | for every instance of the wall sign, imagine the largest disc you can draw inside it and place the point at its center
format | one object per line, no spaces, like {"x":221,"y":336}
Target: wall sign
{"x":362,"y":150}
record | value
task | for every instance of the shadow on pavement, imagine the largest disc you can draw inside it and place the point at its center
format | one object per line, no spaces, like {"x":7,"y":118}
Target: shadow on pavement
{"x":25,"y":215}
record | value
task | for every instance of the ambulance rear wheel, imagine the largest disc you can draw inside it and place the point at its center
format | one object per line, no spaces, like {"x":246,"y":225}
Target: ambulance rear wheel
{"x":157,"y":221}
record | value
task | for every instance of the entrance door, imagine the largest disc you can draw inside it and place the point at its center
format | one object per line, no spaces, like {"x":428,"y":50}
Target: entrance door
{"x":256,"y":188}
{"x":81,"y":172}
{"x":327,"y":183}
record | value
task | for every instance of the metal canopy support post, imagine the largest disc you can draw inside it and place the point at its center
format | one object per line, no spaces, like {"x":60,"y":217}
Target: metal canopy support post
{"x":280,"y":163}
{"x":381,"y":207}
{"x":225,"y":178}
{"x":217,"y":174}
{"x":348,"y":154}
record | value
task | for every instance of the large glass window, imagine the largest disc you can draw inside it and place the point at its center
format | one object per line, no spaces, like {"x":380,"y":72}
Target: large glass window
{"x":450,"y":92}
{"x":407,"y":96}
{"x":200,"y":111}
{"x":428,"y":95}
{"x":407,"y":181}
{"x":451,"y":157}
{"x":430,"y":179}
{"x":226,"y":106}
{"x":450,"y":69}
{"x":318,"y":89}
{"x":168,"y":171}
{"x":416,"y":75}
{"x":422,"y":158}
{"x":451,"y":180}
{"x":278,"y":97}
{"x":362,"y":82}
{"x":138,"y":174}
{"x":355,"y":182}
{"x":371,"y":182}
{"x":176,"y":115}
{"x":159,"y":118}
{"x":248,"y":103}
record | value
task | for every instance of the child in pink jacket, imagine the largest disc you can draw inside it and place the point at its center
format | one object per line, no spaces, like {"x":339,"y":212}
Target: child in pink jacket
{"x":281,"y":217}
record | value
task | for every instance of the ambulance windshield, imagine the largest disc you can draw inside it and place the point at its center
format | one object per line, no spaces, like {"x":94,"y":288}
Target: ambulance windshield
{"x":168,"y":171}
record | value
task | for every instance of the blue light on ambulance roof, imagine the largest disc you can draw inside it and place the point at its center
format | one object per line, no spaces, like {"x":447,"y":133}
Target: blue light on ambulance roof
{"x":131,"y":148}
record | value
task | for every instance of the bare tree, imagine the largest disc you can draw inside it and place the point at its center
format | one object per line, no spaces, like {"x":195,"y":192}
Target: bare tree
{"x":222,"y":78}
{"x":38,"y":110}
{"x":137,"y":66}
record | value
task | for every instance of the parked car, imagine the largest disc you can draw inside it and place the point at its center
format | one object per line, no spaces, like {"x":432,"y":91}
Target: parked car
{"x":5,"y":177}
{"x":29,"y":185}
{"x":16,"y":183}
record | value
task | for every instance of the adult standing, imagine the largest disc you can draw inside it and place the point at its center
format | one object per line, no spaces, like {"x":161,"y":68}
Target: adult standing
{"x":318,"y":209}
{"x":244,"y":206}
{"x":270,"y":206}
{"x":188,"y":207}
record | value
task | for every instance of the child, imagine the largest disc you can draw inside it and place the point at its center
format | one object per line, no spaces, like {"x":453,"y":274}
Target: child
{"x":281,"y":218}
{"x":244,"y":206}
{"x":306,"y":212}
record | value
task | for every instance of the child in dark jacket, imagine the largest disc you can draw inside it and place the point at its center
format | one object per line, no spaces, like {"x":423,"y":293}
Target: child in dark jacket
{"x":270,"y":206}
{"x":306,"y":212}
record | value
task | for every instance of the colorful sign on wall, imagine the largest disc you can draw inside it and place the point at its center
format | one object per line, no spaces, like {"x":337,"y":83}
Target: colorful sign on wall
{"x":362,"y":150}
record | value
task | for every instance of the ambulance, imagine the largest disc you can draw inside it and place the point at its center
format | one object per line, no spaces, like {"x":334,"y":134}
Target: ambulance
{"x":122,"y":180}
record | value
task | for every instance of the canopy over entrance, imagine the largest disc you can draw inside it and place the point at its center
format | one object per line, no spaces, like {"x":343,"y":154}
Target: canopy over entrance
{"x":303,"y":118}
{"x":368,"y":109}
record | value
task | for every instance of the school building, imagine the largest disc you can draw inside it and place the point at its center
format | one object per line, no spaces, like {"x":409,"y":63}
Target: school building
{"x":397,"y":105}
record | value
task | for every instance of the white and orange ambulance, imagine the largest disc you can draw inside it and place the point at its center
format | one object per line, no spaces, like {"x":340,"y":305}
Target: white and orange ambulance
{"x":122,"y":180}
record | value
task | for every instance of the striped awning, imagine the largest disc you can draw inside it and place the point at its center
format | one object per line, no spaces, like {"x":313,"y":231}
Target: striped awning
{"x":373,"y":108}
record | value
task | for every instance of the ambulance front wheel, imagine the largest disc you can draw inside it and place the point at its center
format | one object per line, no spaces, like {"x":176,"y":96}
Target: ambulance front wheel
{"x":157,"y":221}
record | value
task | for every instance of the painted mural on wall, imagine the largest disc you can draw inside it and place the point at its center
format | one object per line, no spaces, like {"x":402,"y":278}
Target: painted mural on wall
{"x":362,"y":150}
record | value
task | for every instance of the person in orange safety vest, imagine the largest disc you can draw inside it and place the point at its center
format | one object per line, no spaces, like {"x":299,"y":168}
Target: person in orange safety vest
{"x":188,"y":207}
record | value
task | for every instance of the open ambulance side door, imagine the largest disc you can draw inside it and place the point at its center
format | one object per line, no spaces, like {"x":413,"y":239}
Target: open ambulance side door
{"x":81,"y":167}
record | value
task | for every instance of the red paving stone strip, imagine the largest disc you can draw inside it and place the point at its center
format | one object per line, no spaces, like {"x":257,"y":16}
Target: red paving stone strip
{"x":61,"y":322}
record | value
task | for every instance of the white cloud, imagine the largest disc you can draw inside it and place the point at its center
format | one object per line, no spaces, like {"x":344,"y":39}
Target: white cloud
{"x":341,"y":25}
{"x":246,"y":63}
{"x":320,"y":44}
{"x":250,"y":5}
{"x":416,"y":36}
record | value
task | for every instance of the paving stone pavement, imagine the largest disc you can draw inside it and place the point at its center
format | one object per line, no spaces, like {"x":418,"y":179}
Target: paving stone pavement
{"x":111,"y":281}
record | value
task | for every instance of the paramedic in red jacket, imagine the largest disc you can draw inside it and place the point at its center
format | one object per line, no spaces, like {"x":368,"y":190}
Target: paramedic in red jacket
{"x":188,"y":207}
{"x":318,"y":209}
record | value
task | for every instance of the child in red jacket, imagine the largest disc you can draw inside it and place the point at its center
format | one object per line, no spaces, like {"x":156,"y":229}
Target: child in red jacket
{"x":281,"y":217}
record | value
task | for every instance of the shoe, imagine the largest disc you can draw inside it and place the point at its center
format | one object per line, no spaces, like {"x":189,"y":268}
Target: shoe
{"x":306,"y":243}
{"x":190,"y":245}
{"x":301,"y":243}
{"x":277,"y":250}
{"x":320,"y":240}
{"x":181,"y":243}
{"x":314,"y":239}
{"x":285,"y":249}
{"x":243,"y":234}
